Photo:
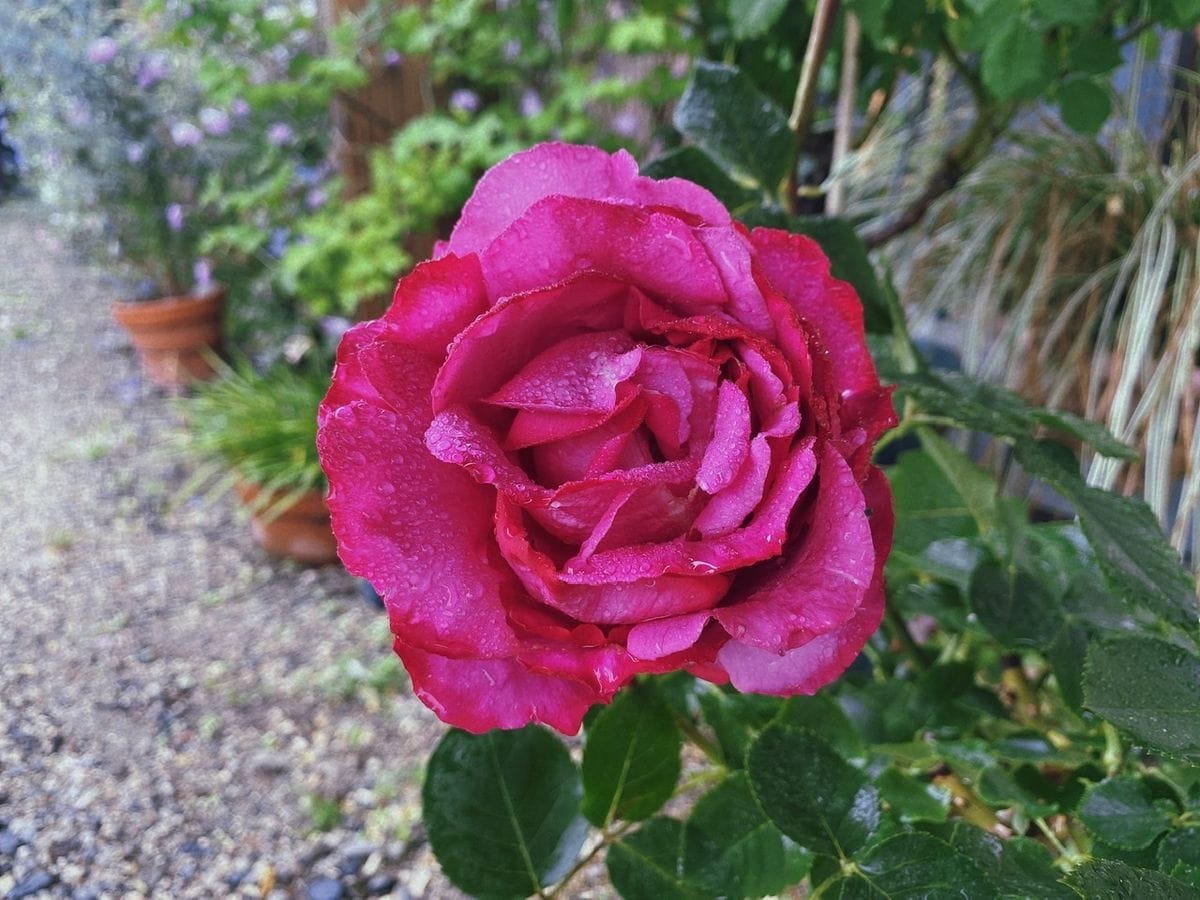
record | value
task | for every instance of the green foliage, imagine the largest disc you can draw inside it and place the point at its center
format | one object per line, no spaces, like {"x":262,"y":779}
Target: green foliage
{"x":631,"y":761}
{"x":502,"y":810}
{"x":259,"y":427}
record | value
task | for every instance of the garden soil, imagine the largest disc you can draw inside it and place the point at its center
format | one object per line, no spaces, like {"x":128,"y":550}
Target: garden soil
{"x":179,"y":715}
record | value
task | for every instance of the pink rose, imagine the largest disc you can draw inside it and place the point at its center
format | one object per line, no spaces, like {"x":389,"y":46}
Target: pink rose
{"x":607,"y":430}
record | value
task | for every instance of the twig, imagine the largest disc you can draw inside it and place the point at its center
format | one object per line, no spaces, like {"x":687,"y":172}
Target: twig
{"x":844,"y":116}
{"x":806,"y":89}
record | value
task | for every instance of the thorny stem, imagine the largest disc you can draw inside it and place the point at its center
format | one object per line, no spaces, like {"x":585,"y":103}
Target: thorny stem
{"x":806,"y":89}
{"x":971,"y":807}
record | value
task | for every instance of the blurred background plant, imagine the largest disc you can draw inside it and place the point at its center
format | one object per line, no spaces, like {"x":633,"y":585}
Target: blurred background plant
{"x":119,"y":149}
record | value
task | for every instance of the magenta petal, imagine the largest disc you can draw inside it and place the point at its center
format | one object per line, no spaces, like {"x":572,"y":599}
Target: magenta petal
{"x":437,"y":300}
{"x":761,"y":539}
{"x":480,"y":694}
{"x":511,"y":187}
{"x":730,"y":507}
{"x":656,"y":251}
{"x":730,"y":252}
{"x":798,"y":269}
{"x":730,"y":442}
{"x":416,"y":528}
{"x":809,"y":667}
{"x":578,"y":374}
{"x":820,"y":584}
{"x":662,"y":637}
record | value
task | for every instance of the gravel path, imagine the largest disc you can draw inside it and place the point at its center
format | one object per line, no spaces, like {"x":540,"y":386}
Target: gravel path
{"x":179,"y":716}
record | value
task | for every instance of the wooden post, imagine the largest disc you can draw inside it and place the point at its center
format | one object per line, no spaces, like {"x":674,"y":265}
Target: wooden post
{"x":368,"y":117}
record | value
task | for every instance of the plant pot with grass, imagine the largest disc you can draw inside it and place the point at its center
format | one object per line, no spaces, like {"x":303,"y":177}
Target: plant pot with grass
{"x":256,"y":432}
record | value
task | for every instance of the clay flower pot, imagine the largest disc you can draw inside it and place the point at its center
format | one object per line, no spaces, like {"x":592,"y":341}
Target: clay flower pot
{"x":170,"y":333}
{"x":301,"y":531}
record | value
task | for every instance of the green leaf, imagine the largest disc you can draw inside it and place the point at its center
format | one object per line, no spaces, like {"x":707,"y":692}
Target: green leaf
{"x":1094,"y":54}
{"x":975,"y":486}
{"x":1015,"y":606}
{"x":1120,"y":812}
{"x":517,"y":788}
{"x":811,"y":794}
{"x":735,"y":719}
{"x":631,"y":758}
{"x":695,"y":165}
{"x":1179,"y":854}
{"x":1067,"y":12}
{"x":992,"y":410}
{"x":725,"y":114}
{"x":1132,"y":551}
{"x":648,"y":864}
{"x":912,"y":867}
{"x":821,"y":715}
{"x":1108,"y":878}
{"x":1084,"y":105}
{"x":1024,"y":787}
{"x":1016,"y":62}
{"x":1094,"y":434}
{"x":928,"y":508}
{"x":1019,"y":867}
{"x":751,"y":18}
{"x":1150,"y":689}
{"x":733,"y":850}
{"x":911,"y":799}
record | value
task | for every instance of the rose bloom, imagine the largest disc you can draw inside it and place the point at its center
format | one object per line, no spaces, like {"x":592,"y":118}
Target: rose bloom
{"x":606,"y":431}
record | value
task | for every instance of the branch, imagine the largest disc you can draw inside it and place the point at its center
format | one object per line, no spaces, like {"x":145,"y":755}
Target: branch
{"x":806,"y":89}
{"x":844,"y":116}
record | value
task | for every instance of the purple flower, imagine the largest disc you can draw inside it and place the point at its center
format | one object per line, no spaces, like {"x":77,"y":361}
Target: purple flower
{"x":280,"y":133}
{"x":214,"y":121}
{"x":464,"y":101}
{"x":512,"y":50}
{"x":392,"y":58}
{"x":333,"y":327}
{"x":531,"y":104}
{"x":135,"y":153}
{"x":202,"y":273}
{"x":78,"y":114}
{"x":239,"y":107}
{"x":625,"y":123}
{"x":154,"y":68}
{"x":174,"y":214}
{"x":102,"y":51}
{"x":315,"y":198}
{"x":185,"y":134}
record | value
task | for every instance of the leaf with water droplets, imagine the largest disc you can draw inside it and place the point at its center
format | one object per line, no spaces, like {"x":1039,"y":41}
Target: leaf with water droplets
{"x":1149,"y":688}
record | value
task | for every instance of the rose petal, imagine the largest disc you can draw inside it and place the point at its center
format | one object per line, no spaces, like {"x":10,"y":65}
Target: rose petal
{"x":656,"y":251}
{"x":729,"y":508}
{"x":816,"y":586}
{"x":511,"y":187}
{"x":437,"y":300}
{"x":730,"y":250}
{"x":810,"y":666}
{"x":419,"y":530}
{"x":730,"y":442}
{"x":481,"y":694}
{"x":662,"y":637}
{"x":579,"y":374}
{"x":762,"y":539}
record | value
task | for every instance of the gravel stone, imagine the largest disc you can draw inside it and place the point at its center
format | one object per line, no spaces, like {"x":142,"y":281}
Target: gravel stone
{"x":154,"y":659}
{"x":325,"y":889}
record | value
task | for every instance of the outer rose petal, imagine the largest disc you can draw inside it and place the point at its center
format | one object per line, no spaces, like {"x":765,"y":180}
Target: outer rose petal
{"x":806,"y":669}
{"x":437,"y":300}
{"x":416,"y":528}
{"x":820,"y":583}
{"x":481,"y":694}
{"x":511,"y":187}
{"x":798,"y":269}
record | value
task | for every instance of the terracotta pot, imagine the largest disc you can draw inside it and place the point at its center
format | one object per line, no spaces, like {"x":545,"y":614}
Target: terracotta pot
{"x":301,"y":531}
{"x":170,"y":333}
